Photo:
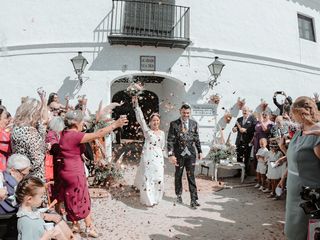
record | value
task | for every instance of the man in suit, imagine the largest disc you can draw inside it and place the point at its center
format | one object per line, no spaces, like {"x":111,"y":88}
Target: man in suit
{"x":183,"y":148}
{"x":245,"y":127}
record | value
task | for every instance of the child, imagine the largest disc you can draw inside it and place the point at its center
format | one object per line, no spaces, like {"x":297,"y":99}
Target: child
{"x":31,"y":222}
{"x":262,"y":164}
{"x":274,"y":171}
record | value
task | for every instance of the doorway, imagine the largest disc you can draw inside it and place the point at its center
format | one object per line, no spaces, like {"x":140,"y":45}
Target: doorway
{"x":149,"y":103}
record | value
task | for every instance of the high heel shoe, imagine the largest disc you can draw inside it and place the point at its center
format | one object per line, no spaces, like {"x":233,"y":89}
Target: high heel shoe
{"x":91,"y":232}
{"x":75,"y":228}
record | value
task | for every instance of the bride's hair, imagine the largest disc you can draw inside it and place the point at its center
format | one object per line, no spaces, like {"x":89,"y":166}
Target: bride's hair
{"x":154,"y":115}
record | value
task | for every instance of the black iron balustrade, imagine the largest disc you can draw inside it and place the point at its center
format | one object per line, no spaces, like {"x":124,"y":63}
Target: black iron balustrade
{"x":149,"y":23}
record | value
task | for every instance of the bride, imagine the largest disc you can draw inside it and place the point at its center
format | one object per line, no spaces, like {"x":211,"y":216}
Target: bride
{"x":149,"y":178}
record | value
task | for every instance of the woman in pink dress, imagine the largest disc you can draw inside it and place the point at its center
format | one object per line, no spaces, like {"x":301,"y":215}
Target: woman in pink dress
{"x":5,"y":149}
{"x":74,"y":188}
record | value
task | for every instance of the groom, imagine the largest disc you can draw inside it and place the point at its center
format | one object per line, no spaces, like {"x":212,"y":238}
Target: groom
{"x":183,"y":138}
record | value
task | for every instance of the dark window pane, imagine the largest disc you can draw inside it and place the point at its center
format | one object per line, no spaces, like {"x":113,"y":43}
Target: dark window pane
{"x":149,"y":18}
{"x":306,"y":28}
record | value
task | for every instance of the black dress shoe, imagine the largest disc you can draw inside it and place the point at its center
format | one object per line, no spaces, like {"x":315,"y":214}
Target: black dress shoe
{"x":193,"y":205}
{"x":196,"y":203}
{"x":179,"y":199}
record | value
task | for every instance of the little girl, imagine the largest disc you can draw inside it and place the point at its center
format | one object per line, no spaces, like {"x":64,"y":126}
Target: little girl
{"x":31,"y":222}
{"x":274,"y":172}
{"x":262,"y":164}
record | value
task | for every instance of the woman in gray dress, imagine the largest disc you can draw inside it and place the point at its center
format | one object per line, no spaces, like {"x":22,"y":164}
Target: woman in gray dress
{"x":303,"y":156}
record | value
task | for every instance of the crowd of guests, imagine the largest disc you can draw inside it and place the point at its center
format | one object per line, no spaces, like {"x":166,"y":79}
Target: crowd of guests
{"x":284,"y":149}
{"x":42,"y":130}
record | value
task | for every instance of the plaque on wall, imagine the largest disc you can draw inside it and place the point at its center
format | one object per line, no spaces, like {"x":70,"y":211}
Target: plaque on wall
{"x":204,"y":110}
{"x":147,"y":63}
{"x":205,"y":115}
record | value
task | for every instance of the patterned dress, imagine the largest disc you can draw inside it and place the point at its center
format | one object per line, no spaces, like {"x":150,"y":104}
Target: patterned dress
{"x":30,"y":141}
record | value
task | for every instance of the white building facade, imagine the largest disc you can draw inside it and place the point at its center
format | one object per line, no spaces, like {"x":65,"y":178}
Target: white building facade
{"x":258,"y":41}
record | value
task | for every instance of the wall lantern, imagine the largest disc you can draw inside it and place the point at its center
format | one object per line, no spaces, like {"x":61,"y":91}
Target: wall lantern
{"x":215,"y":69}
{"x":79,"y":64}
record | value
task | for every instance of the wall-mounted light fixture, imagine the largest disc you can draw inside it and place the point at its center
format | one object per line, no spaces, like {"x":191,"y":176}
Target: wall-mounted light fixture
{"x":215,"y":69}
{"x":79,"y":64}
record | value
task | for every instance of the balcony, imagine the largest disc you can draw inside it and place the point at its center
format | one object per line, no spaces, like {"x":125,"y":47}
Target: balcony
{"x":149,"y":24}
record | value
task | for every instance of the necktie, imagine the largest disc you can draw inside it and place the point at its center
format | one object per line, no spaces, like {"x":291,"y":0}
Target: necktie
{"x":185,"y":125}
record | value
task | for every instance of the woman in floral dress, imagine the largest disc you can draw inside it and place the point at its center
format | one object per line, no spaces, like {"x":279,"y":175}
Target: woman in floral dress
{"x":28,"y":134}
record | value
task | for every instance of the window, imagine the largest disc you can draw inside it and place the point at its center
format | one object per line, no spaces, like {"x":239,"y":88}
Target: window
{"x":149,"y":17}
{"x":306,"y":28}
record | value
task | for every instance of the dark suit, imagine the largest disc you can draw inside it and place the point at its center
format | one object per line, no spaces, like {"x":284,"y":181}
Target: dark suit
{"x":178,"y":141}
{"x":243,"y":140}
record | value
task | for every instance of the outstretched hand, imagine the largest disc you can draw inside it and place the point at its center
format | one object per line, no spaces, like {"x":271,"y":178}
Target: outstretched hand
{"x":42,"y":94}
{"x":121,"y":122}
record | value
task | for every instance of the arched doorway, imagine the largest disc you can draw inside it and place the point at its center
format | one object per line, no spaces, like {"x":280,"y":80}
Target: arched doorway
{"x":149,"y":103}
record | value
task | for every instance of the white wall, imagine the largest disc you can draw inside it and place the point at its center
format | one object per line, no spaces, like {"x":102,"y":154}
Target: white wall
{"x":257,"y":40}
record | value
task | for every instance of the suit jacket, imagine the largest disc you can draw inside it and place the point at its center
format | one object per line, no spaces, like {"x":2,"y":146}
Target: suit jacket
{"x":249,"y":125}
{"x":178,"y":140}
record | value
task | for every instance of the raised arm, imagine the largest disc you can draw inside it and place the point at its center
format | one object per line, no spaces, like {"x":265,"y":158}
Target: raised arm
{"x":275,"y":101}
{"x":140,"y":119}
{"x":88,"y":137}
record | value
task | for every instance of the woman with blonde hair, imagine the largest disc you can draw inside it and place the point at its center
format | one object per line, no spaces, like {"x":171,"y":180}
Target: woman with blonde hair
{"x":28,"y":134}
{"x":74,"y":187}
{"x":303,"y":156}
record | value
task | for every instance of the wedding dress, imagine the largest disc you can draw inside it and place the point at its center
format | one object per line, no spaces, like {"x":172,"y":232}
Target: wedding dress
{"x":149,"y":178}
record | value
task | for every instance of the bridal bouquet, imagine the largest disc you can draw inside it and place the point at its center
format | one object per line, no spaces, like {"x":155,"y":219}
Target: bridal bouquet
{"x":222,"y":151}
{"x":135,"y":89}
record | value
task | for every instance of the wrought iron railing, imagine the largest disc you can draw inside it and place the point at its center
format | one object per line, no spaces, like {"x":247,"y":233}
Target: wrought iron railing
{"x":153,"y":20}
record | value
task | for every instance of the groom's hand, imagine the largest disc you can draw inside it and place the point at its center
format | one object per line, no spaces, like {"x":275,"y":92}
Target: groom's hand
{"x":173,"y":160}
{"x":200,"y":156}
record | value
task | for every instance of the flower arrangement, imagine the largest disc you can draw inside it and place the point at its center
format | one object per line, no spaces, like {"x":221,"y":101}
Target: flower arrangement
{"x":222,"y":151}
{"x":105,"y":174}
{"x":135,"y":88}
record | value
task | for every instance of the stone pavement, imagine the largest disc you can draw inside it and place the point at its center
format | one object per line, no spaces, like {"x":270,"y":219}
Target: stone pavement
{"x":241,"y":212}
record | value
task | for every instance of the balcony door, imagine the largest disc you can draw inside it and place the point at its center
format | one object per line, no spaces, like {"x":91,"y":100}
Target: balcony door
{"x":152,"y":18}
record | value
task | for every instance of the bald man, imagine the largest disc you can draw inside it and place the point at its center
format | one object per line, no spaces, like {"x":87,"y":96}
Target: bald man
{"x":245,"y":128}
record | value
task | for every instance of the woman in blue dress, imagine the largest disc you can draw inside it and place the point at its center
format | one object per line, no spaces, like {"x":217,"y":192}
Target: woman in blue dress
{"x":303,"y":156}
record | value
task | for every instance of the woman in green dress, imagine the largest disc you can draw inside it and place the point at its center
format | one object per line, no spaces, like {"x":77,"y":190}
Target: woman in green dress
{"x":303,"y":156}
